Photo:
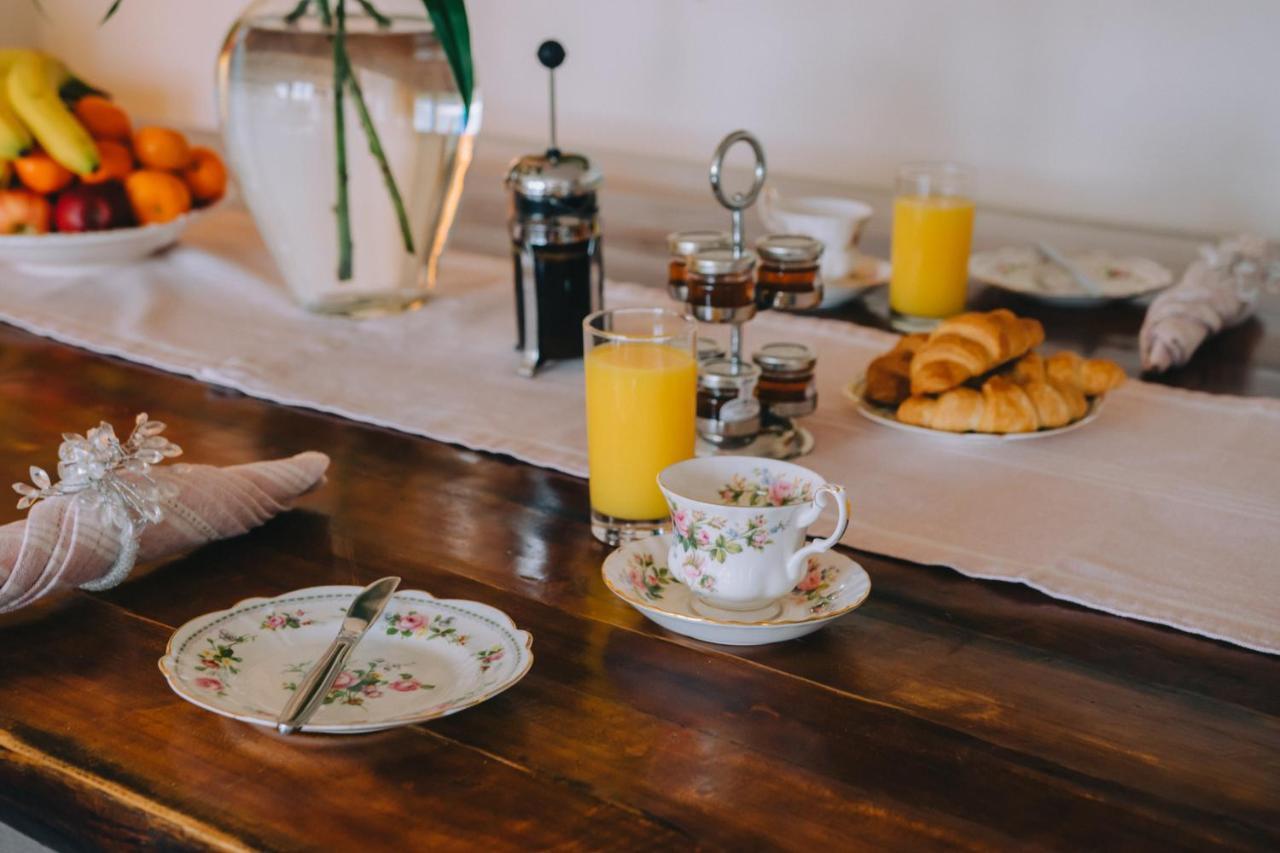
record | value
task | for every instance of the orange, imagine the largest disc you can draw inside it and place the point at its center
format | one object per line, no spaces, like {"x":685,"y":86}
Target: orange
{"x":205,"y":175}
{"x":102,"y":118}
{"x":114,"y":163}
{"x":161,"y":148}
{"x":41,"y":173}
{"x":157,"y":196}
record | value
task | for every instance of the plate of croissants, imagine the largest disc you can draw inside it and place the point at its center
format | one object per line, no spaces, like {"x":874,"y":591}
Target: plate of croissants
{"x":980,"y":376}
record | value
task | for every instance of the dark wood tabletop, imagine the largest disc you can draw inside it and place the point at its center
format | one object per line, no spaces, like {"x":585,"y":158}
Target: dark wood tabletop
{"x":944,"y":713}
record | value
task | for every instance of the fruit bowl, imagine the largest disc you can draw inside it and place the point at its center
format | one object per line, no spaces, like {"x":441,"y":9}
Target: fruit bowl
{"x":90,"y":251}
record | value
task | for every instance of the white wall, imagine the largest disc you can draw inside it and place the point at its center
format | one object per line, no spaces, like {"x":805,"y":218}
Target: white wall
{"x":1162,"y":113}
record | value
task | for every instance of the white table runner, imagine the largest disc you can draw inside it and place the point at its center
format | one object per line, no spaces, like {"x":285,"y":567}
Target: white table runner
{"x":1167,"y":508}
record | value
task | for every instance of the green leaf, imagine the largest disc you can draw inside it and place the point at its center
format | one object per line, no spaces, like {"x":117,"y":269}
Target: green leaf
{"x":110,"y":11}
{"x":450,"y":20}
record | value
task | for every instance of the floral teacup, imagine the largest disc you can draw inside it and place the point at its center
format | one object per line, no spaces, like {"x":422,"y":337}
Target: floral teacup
{"x":738,"y":528}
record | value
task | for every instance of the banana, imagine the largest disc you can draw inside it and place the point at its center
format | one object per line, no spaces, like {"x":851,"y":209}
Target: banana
{"x":15,"y":139}
{"x":32,"y":85}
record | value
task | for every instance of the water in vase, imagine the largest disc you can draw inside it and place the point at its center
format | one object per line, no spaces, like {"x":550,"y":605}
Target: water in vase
{"x":276,"y":85}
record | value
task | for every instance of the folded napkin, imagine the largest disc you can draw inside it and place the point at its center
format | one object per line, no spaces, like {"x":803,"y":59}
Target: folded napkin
{"x":111,"y":509}
{"x":1218,"y":290}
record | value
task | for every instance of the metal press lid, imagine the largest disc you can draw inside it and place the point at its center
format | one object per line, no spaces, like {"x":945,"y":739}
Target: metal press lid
{"x":721,"y":262}
{"x":785,"y":358}
{"x":691,"y":242}
{"x":789,"y":248}
{"x":726,"y":374}
{"x":553,"y":175}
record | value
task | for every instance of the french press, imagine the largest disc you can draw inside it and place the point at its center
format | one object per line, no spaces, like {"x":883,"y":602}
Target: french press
{"x":554,"y":220}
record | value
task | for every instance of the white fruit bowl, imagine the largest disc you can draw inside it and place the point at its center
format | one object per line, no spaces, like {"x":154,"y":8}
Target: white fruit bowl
{"x":74,"y":254}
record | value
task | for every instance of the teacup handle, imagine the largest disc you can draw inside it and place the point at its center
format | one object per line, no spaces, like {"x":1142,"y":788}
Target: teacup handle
{"x":796,"y":563}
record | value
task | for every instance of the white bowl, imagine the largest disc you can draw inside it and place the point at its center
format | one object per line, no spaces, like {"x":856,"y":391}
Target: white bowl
{"x":837,"y":222}
{"x":64,"y":254}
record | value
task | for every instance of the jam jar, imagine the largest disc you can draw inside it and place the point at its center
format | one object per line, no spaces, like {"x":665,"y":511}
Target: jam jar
{"x":721,"y":286}
{"x":788,"y":276}
{"x":786,"y":388}
{"x":728,"y":412}
{"x":709,"y":349}
{"x":682,"y":244}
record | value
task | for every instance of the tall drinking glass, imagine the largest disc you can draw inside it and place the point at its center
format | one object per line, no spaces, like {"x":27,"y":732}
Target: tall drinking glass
{"x":932,"y":233}
{"x":641,"y":368}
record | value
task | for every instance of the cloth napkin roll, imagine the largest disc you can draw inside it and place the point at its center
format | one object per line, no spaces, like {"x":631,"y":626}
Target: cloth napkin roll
{"x":63,"y":544}
{"x":1219,"y":290}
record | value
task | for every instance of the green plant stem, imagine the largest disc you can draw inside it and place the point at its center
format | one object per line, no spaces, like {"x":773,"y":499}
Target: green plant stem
{"x":375,"y":148}
{"x":110,"y":11}
{"x":298,"y":12}
{"x":343,"y":209}
{"x":326,"y":17}
{"x":383,"y":20}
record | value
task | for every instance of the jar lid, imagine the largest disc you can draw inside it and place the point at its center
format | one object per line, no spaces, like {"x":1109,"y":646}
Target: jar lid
{"x":726,"y":374}
{"x":691,"y":242}
{"x":553,"y":175}
{"x":789,"y":248}
{"x":721,"y":262}
{"x":708,"y":349}
{"x":785,"y":358}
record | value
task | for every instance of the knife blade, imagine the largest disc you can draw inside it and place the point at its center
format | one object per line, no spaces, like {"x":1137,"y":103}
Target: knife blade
{"x":363,"y":612}
{"x":1079,"y":276}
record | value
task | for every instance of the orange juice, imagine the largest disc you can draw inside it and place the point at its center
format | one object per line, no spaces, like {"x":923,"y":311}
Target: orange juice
{"x":640,"y":419}
{"x":931,"y":237}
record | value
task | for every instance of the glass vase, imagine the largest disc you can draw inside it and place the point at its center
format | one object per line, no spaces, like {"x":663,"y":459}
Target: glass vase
{"x":276,"y":99}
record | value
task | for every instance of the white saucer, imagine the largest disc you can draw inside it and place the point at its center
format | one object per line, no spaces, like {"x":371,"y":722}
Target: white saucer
{"x":1022,"y":270}
{"x":868,"y":272}
{"x":886,"y":416}
{"x":425,"y":658}
{"x":637,"y":573}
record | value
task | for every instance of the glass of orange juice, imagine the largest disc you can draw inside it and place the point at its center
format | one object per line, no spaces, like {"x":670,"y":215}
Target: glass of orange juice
{"x":932,"y":232}
{"x":642,"y":379}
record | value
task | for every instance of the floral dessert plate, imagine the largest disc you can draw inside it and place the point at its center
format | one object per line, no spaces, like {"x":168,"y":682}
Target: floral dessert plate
{"x":638,"y":574}
{"x":886,"y":416}
{"x":1022,"y":270}
{"x":425,"y":658}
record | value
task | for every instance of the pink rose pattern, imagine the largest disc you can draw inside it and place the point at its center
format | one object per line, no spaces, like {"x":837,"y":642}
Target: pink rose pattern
{"x":276,"y":621}
{"x":220,"y":660}
{"x":714,"y":536}
{"x":813,"y":589}
{"x":359,"y":685}
{"x":646,"y":577}
{"x":415,"y":624}
{"x":766,"y":490}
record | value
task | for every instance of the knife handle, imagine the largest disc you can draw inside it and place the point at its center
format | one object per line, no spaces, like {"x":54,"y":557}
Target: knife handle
{"x":310,"y":694}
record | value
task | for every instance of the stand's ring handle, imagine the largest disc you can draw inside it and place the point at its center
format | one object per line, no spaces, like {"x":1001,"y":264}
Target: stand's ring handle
{"x":738,"y":201}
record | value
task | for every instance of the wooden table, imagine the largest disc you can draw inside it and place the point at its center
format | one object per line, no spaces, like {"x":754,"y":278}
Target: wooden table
{"x":945,"y":712}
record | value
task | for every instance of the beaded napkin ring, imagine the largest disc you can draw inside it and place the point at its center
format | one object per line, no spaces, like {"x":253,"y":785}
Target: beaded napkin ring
{"x":90,"y":468}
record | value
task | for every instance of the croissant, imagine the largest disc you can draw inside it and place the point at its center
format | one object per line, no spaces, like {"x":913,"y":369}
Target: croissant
{"x":969,"y":345}
{"x":1093,"y":376}
{"x":1002,"y":406}
{"x":888,"y":375}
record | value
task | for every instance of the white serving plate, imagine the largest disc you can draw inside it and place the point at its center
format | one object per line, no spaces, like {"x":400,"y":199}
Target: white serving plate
{"x":886,"y":416}
{"x":425,"y":658}
{"x":90,"y":251}
{"x":637,"y":573}
{"x":1022,"y":270}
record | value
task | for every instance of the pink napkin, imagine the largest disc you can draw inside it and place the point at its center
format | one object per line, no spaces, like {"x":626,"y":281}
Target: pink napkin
{"x":66,"y":542}
{"x":1218,"y":290}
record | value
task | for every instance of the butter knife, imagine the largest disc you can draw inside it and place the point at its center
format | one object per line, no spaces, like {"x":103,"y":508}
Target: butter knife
{"x":363,"y":612}
{"x":1081,"y":278}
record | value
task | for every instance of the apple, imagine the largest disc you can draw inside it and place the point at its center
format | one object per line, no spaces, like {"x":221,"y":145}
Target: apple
{"x":92,"y":207}
{"x":23,"y":212}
